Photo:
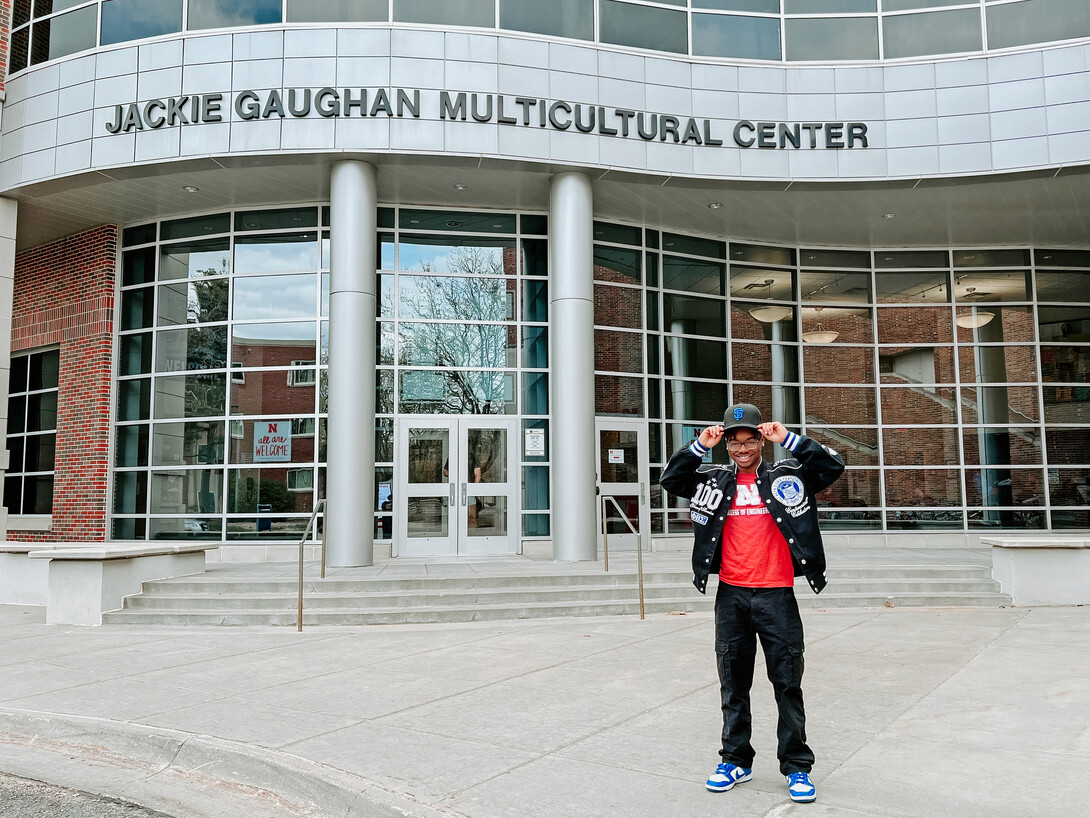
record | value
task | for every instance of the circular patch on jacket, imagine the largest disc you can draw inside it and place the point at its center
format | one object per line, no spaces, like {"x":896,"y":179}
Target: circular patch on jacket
{"x":788,"y":490}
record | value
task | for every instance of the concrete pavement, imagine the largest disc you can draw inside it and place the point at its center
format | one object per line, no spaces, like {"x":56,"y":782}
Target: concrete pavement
{"x":912,"y":712}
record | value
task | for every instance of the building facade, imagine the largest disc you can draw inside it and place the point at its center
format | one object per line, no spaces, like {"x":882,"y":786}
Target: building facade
{"x":448,"y":272}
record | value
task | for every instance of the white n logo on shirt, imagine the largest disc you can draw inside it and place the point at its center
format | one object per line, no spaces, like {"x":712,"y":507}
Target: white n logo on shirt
{"x":747,"y":496}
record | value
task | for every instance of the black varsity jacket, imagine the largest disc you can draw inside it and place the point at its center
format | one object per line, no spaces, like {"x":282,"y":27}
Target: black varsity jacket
{"x":787,"y":487}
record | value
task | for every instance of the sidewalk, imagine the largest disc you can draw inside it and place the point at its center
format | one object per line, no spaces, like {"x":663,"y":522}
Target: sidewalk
{"x":912,"y":712}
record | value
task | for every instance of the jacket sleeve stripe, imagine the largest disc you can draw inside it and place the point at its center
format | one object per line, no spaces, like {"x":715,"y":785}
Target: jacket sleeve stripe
{"x":697,"y":449}
{"x":791,"y":442}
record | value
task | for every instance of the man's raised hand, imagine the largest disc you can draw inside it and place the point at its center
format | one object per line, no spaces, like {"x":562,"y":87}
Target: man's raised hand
{"x":710,"y":436}
{"x":774,"y":431}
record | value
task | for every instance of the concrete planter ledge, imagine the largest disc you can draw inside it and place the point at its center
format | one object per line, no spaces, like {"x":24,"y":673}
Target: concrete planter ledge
{"x":78,"y":582}
{"x":1042,"y":570}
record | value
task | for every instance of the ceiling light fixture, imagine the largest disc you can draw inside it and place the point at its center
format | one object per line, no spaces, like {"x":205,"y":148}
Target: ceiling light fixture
{"x":190,"y":188}
{"x":714,"y":205}
{"x":460,"y":186}
{"x":888,"y":215}
{"x":820,"y":335}
{"x":770,"y":314}
{"x":976,"y":318}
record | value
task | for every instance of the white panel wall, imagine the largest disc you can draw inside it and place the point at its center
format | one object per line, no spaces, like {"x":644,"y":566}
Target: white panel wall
{"x":970,"y":116}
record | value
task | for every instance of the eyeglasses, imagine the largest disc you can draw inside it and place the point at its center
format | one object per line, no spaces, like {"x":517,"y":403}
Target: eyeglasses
{"x":750,"y":445}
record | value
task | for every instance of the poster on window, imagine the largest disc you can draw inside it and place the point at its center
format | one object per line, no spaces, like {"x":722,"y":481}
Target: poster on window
{"x":272,"y":441}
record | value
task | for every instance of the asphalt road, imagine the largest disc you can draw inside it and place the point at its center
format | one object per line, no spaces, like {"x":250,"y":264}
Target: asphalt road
{"x":22,"y":798}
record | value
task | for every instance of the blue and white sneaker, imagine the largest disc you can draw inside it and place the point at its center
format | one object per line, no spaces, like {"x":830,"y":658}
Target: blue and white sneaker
{"x":726,"y":775}
{"x":801,"y":788}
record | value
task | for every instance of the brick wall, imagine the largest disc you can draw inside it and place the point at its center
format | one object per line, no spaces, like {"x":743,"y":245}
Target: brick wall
{"x":64,"y":296}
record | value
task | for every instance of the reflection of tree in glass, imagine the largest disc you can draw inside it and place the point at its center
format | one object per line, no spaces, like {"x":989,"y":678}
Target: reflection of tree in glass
{"x":451,"y":346}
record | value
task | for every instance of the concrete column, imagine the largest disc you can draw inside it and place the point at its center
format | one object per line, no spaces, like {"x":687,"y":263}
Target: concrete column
{"x":571,"y":367}
{"x":350,"y":452}
{"x":9,"y":212}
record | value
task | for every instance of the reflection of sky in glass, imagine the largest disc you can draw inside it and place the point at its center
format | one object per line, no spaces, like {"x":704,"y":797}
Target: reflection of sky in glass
{"x":452,"y":298}
{"x":224,"y":13}
{"x":124,"y":20}
{"x":450,"y":259}
{"x":453,"y":345}
{"x":72,"y":32}
{"x":276,"y":256}
{"x":457,"y":392}
{"x":291,"y":331}
{"x":179,"y":263}
{"x":265,"y":297}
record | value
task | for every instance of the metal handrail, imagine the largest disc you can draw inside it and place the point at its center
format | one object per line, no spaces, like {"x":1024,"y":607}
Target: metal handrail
{"x":302,"y":541}
{"x":639,"y":541}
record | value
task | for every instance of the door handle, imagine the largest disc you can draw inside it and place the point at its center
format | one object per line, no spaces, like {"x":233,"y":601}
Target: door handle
{"x":465,"y":493}
{"x":643,"y":494}
{"x":452,"y":494}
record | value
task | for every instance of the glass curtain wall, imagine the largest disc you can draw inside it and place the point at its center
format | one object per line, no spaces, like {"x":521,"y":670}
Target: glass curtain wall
{"x":224,"y":346}
{"x":764,"y":30}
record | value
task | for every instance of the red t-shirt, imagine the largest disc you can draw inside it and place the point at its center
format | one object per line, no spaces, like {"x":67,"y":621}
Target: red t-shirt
{"x":755,"y":554}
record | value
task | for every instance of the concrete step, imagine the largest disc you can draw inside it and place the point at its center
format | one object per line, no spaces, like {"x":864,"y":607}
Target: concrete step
{"x":449,"y":593}
{"x":477,"y":613}
{"x":285,"y":597}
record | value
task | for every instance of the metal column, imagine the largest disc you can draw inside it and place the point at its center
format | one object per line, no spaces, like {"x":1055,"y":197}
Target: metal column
{"x":350,"y":451}
{"x":571,"y":366}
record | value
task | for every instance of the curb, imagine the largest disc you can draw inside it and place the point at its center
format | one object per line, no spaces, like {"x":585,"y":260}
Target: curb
{"x":189,"y":775}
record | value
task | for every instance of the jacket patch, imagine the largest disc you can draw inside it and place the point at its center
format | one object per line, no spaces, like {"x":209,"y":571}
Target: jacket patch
{"x":698,"y":518}
{"x":788,"y":490}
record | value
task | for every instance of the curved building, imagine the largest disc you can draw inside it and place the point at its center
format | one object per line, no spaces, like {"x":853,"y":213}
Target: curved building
{"x":457,"y":268}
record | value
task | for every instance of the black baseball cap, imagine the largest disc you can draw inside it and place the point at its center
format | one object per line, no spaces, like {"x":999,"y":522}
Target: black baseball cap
{"x":742,"y":416}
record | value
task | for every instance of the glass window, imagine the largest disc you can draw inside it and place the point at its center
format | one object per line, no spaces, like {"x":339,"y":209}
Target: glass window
{"x":230,"y":13}
{"x":454,"y":392}
{"x":948,"y":32}
{"x":138,"y":267}
{"x":453,"y":298}
{"x":762,"y":322}
{"x":1066,"y":404}
{"x":1037,"y":21}
{"x":535,"y":347}
{"x":277,"y":296}
{"x":445,"y":254}
{"x":430,"y":344}
{"x":20,"y":12}
{"x":999,"y":446}
{"x":618,"y":351}
{"x":535,"y":487}
{"x":906,"y":5}
{"x":535,"y":300}
{"x":32,"y":439}
{"x":446,"y":12}
{"x":276,"y":392}
{"x":195,"y":259}
{"x":65,"y":34}
{"x":771,"y":363}
{"x":139,"y":235}
{"x":999,"y":404}
{"x":131,"y":493}
{"x":559,"y":18}
{"x":858,"y":447}
{"x":832,"y":38}
{"x":904,"y":405}
{"x":190,"y":396}
{"x":20,"y":50}
{"x":614,"y":395}
{"x":131,"y":446}
{"x":338,"y":11}
{"x":829,"y":6}
{"x":835,"y":286}
{"x":617,"y":265}
{"x":693,"y":275}
{"x":134,"y":399}
{"x":1064,"y":324}
{"x":914,"y":325}
{"x":916,"y":365}
{"x":926,"y":488}
{"x":997,"y":364}
{"x":758,"y":6}
{"x":827,"y":325}
{"x":825,"y":364}
{"x":195,"y":226}
{"x":187,"y":444}
{"x":842,"y":405}
{"x":1065,"y":364}
{"x":288,"y":253}
{"x":729,"y":35}
{"x":761,"y":282}
{"x":457,"y":221}
{"x":196,"y":302}
{"x":535,"y":391}
{"x":617,"y":306}
{"x":1056,"y":285}
{"x":124,"y":20}
{"x":694,"y":358}
{"x":643,"y":26}
{"x":184,"y":350}
{"x":271,"y":344}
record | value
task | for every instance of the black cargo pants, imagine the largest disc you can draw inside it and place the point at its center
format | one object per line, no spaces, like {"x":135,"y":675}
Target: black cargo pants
{"x":742,"y":615}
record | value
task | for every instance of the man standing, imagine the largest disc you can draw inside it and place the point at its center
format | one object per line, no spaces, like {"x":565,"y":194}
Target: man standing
{"x":757,"y":525}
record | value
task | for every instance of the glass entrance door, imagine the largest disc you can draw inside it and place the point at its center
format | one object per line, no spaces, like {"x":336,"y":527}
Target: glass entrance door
{"x":458,"y":486}
{"x":623,"y":474}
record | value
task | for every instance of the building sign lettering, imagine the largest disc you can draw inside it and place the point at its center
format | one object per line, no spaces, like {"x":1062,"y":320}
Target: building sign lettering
{"x":516,"y":111}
